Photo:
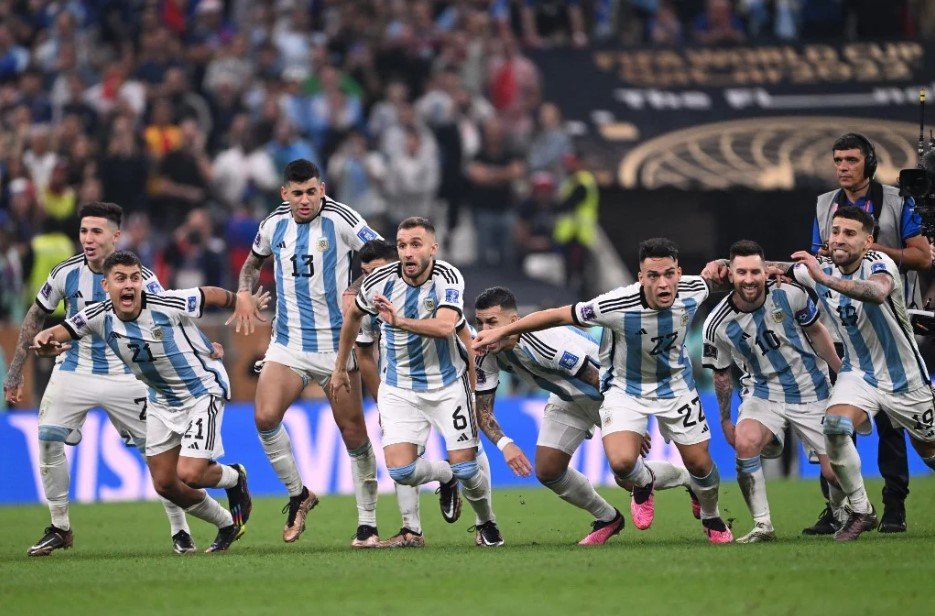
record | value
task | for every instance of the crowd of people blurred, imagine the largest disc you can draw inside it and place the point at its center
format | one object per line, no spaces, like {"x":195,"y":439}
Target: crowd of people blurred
{"x":184,"y":112}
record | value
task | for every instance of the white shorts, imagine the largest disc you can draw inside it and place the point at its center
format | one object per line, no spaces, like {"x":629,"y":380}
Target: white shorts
{"x":913,"y":410}
{"x":566,"y":424}
{"x":680,"y":419}
{"x":805,"y":419}
{"x":407,"y":416}
{"x":309,"y":366}
{"x":196,"y":427}
{"x":69,"y":396}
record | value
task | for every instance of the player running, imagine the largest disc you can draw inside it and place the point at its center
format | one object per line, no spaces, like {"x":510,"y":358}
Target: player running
{"x":87,"y":376}
{"x":155,"y":335}
{"x":649,"y":375}
{"x":424,"y":370}
{"x":311,"y":239}
{"x":774,"y":335}
{"x":882,"y":369}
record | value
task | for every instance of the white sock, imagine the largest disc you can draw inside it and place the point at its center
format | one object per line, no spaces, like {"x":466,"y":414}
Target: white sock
{"x":278,"y":449}
{"x":426,"y":471}
{"x":573,"y":487}
{"x":211,"y":511}
{"x":483,"y":463}
{"x":229,"y":477}
{"x":706,"y":489}
{"x":844,"y":459}
{"x":836,"y":496}
{"x":668,"y":475}
{"x":476,"y":491}
{"x":364,"y":471}
{"x":176,"y":515}
{"x":407,"y":497}
{"x":53,"y":466}
{"x":639,"y":476}
{"x":753,"y":487}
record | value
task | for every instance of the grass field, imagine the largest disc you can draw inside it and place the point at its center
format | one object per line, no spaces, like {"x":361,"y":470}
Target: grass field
{"x":122,"y":562}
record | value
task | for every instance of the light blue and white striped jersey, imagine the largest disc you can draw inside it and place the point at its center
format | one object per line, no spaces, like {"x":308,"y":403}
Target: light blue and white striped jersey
{"x":550,"y":359}
{"x":79,"y":286}
{"x":163,"y":346}
{"x":768,"y":344}
{"x":877,"y":338}
{"x":408,"y":360}
{"x":647,"y":355}
{"x":312,"y":265}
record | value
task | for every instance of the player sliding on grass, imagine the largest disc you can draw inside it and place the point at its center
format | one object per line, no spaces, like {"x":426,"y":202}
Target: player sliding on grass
{"x":773,"y":333}
{"x":156,"y":337}
{"x":649,"y":374}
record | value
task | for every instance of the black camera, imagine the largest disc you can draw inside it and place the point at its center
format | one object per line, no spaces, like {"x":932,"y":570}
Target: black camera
{"x":919,"y":183}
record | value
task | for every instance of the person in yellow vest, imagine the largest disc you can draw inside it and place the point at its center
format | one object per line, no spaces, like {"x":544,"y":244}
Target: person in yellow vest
{"x":576,"y":225}
{"x":46,"y":250}
{"x":59,"y":200}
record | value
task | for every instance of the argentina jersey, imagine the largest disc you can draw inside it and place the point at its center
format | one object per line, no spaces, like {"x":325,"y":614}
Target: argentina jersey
{"x":646,"y":348}
{"x":312,"y":266}
{"x":80,"y":287}
{"x":550,"y":359}
{"x":407,"y":360}
{"x":768,"y":344}
{"x":163,"y":346}
{"x":878,"y":340}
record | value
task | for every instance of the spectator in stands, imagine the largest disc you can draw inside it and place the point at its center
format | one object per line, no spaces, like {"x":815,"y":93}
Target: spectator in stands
{"x":718,"y":25}
{"x":195,"y":256}
{"x":243,"y":169}
{"x":182,"y":177}
{"x":576,"y":224}
{"x":13,"y":58}
{"x":138,"y":238}
{"x":162,"y":134}
{"x":356,"y":175}
{"x":513,"y":81}
{"x":123,"y":169}
{"x":535,"y":223}
{"x":665,"y":28}
{"x":40,"y":159}
{"x":59,"y":200}
{"x":287,"y":146}
{"x":32,"y":94}
{"x":411,"y":180}
{"x":551,"y":144}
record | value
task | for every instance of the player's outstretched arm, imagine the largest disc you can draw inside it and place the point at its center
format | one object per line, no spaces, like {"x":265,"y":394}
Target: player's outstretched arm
{"x":536,"y":321}
{"x":349,"y":330}
{"x":248,"y":307}
{"x":512,"y":454}
{"x":51,"y":342}
{"x":442,"y":325}
{"x":874,"y":289}
{"x":724,"y":388}
{"x":823,"y":345}
{"x":13,"y":383}
{"x":244,"y":315}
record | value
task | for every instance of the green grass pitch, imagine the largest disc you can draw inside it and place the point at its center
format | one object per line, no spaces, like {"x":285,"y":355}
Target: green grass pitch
{"x":122,"y":562}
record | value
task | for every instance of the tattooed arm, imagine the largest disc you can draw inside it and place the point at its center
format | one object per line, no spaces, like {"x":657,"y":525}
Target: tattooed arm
{"x":724,"y":388}
{"x":874,"y":289}
{"x":32,"y":324}
{"x":250,"y":273}
{"x":513,"y":455}
{"x":245,"y":315}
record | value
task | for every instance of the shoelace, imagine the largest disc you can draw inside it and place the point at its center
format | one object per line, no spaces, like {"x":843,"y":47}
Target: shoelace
{"x":293,"y":508}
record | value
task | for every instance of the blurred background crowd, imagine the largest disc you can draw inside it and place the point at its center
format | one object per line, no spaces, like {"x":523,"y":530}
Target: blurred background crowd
{"x":184,"y":112}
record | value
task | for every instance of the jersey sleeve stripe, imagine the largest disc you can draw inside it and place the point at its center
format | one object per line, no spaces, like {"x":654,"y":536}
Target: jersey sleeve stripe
{"x":78,"y":258}
{"x":378,"y":276}
{"x":452,"y":272}
{"x":344,"y":209}
{"x":719,"y":314}
{"x":614,"y":305}
{"x":537,"y":344}
{"x":445,"y":273}
{"x":283,"y":208}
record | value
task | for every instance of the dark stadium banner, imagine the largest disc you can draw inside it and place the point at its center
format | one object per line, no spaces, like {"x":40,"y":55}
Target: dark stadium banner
{"x":102,"y":468}
{"x":760,"y":117}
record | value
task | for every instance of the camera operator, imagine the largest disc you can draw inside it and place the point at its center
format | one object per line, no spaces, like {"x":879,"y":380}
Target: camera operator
{"x":898,"y":234}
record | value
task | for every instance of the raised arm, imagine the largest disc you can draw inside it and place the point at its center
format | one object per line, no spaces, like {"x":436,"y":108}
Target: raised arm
{"x":13,"y":384}
{"x":823,"y":344}
{"x":442,"y":325}
{"x":52,"y":341}
{"x":536,"y":321}
{"x":874,"y":289}
{"x":724,"y":388}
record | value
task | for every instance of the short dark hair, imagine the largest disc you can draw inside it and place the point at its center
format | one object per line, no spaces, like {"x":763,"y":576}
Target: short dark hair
{"x":417,"y":221}
{"x":493,"y":297}
{"x":852,"y":141}
{"x":852,"y":212}
{"x":658,"y":248}
{"x":300,"y":170}
{"x":378,"y":249}
{"x":121,"y":257}
{"x":102,"y":209}
{"x":746,"y":248}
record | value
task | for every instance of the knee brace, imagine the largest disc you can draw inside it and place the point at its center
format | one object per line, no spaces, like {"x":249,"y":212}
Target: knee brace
{"x":465,"y":470}
{"x":401,"y":473}
{"x":837,"y":425}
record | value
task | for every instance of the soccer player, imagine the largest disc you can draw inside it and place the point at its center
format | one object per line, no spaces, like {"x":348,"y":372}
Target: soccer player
{"x":882,"y":369}
{"x":424,"y":370}
{"x":774,"y":335}
{"x":311,"y":239}
{"x":87,"y":376}
{"x":649,"y":375}
{"x":155,"y":335}
{"x":563,"y":361}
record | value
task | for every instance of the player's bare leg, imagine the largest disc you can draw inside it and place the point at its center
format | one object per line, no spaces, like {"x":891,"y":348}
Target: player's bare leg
{"x":623,"y":450}
{"x":346,"y":406}
{"x":277,"y":388}
{"x":841,"y":420}
{"x":751,"y":437}
{"x":705,"y":484}
{"x":553,"y":471}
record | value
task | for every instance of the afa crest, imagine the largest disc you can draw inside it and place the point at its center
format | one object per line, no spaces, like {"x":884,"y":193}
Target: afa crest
{"x":322,"y":244}
{"x":778,"y":316}
{"x":157,"y":333}
{"x":685,"y":319}
{"x":429,"y":303}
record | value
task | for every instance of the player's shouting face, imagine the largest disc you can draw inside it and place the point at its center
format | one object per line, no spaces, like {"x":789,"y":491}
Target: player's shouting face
{"x":304,"y":198}
{"x":660,"y":279}
{"x":748,"y":275}
{"x":124,"y":284}
{"x":848,"y":242}
{"x":417,"y":248}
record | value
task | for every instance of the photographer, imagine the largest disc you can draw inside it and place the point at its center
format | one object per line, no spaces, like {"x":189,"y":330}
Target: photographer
{"x":898,"y":234}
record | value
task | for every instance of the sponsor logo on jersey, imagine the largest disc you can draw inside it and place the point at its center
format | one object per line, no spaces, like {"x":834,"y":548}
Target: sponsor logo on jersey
{"x":452,"y":295}
{"x":463,"y":438}
{"x":587,"y":312}
{"x":281,"y":245}
{"x":322,"y":244}
{"x":46,"y":290}
{"x":366,"y":234}
{"x":568,"y":360}
{"x":78,"y":295}
{"x":429,"y":304}
{"x":778,"y":315}
{"x":191,"y":303}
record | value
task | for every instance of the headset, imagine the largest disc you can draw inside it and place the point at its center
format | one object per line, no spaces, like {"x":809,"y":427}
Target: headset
{"x":870,"y":160}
